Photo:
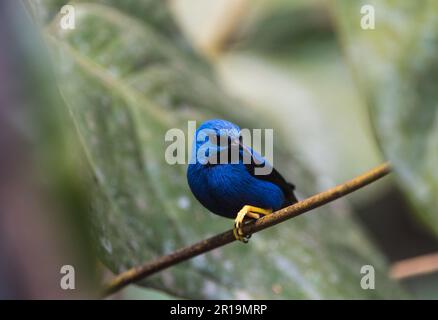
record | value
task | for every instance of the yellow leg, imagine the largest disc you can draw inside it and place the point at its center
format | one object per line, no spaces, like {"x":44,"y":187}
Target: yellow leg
{"x":247,"y":212}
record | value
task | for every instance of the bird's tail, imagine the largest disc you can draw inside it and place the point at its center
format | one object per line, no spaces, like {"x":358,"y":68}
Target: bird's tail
{"x":290,"y":196}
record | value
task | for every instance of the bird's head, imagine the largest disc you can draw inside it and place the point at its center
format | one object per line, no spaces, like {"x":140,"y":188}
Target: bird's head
{"x":215,"y":137}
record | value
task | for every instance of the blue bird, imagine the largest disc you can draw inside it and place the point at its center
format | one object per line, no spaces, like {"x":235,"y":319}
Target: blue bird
{"x":222,"y":176}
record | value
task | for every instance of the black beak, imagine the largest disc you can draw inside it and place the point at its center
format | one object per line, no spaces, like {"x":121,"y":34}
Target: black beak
{"x":248,"y":153}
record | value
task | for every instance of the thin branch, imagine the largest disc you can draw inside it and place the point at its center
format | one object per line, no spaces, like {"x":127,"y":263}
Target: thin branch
{"x":137,"y":273}
{"x":414,"y":267}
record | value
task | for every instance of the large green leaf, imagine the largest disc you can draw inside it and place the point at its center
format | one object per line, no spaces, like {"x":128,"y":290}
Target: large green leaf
{"x":157,"y":14}
{"x":125,"y":85}
{"x":397,"y":68}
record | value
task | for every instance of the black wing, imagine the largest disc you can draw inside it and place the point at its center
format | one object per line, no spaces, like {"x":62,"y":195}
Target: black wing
{"x":277,"y":179}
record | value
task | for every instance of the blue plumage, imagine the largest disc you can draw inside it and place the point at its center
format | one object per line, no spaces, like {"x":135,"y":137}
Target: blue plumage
{"x":224,"y":188}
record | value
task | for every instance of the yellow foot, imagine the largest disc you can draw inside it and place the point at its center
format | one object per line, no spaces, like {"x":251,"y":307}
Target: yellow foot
{"x":247,"y":212}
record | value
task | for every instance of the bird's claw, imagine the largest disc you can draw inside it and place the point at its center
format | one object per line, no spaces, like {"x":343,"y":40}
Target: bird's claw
{"x":238,"y":232}
{"x":247,"y":212}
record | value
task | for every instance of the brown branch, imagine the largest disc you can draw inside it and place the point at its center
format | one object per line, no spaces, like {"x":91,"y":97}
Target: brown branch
{"x":414,"y":267}
{"x":149,"y":268}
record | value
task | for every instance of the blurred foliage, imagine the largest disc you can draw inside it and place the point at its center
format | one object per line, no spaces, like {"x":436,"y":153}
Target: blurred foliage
{"x":397,"y":68}
{"x":285,"y":28}
{"x":125,"y":83}
{"x":298,"y":74}
{"x":44,"y":219}
{"x":158,"y":14}
{"x":134,"y":292}
{"x":423,"y":287}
